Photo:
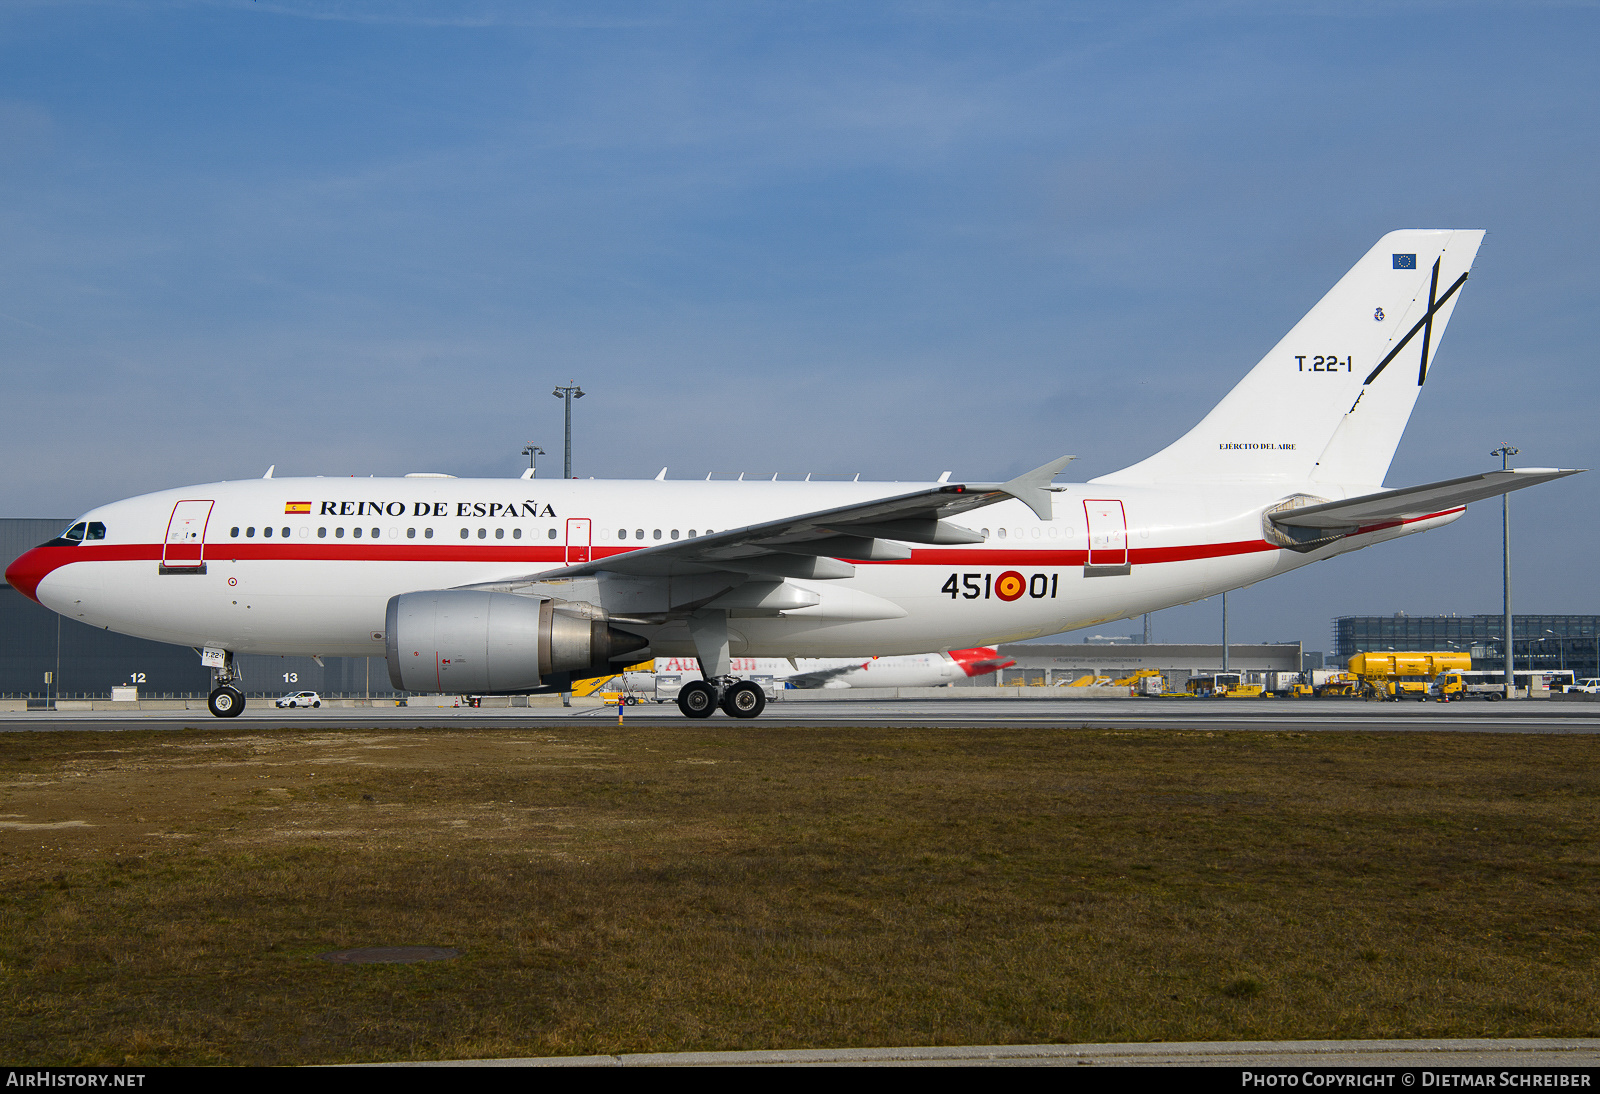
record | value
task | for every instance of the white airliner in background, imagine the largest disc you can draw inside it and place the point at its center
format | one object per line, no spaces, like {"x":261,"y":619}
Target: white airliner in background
{"x":485,"y":585}
{"x":922,"y":670}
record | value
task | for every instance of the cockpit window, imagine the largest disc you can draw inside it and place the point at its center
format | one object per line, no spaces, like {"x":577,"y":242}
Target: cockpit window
{"x":77,"y":534}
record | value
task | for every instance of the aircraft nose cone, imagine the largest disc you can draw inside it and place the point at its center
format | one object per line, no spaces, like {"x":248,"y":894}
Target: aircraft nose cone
{"x":25,"y":573}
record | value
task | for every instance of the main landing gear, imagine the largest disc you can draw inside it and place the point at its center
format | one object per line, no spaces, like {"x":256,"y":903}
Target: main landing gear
{"x":737,"y":698}
{"x":225,"y":700}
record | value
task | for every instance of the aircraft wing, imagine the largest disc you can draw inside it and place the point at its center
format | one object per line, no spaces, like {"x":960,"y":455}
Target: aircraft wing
{"x":810,"y":545}
{"x":1416,"y":501}
{"x":820,"y":677}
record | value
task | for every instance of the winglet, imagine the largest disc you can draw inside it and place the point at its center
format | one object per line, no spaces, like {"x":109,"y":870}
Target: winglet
{"x":1033,"y":488}
{"x":270,"y":470}
{"x":662,"y":477}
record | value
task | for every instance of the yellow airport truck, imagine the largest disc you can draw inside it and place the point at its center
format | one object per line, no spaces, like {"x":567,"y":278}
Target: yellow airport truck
{"x":1223,"y":685}
{"x":1453,"y":684}
{"x":1394,"y":676}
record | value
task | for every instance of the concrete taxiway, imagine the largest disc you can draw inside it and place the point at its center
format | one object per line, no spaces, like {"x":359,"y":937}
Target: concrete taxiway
{"x":1529,"y":716}
{"x":1554,"y":1056}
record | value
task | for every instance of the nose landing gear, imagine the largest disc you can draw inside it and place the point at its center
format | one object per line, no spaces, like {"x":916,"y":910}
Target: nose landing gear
{"x":225,"y":700}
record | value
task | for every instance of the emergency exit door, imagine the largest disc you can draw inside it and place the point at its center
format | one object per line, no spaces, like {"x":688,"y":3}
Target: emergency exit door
{"x":578,"y":532}
{"x":1108,"y":532}
{"x":184,"y":551}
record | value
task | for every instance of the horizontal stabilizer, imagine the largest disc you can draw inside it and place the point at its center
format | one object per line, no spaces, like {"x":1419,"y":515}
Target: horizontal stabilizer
{"x":1416,"y":501}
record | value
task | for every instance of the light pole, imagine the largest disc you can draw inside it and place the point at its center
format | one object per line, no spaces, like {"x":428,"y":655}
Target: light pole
{"x":1505,"y":452}
{"x":1224,"y":632}
{"x":570,"y":392}
{"x":531,"y":451}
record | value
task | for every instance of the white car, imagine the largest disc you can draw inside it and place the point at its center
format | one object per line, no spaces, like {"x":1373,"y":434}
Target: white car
{"x":299,"y":699}
{"x":1590,"y":686}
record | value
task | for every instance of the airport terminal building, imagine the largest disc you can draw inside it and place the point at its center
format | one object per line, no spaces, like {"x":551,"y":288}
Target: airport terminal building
{"x":1538,"y":642}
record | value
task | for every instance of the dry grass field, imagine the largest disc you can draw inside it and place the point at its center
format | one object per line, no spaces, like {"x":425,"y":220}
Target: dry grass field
{"x":164,"y":895}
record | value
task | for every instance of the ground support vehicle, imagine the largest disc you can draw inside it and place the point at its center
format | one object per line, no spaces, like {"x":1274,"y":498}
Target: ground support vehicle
{"x":1491,"y":684}
{"x":1341,"y":685}
{"x":1394,"y":676}
{"x":1223,"y":685}
{"x":299,"y":699}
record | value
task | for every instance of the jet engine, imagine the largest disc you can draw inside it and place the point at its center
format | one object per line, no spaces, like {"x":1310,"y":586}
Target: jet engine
{"x":471,"y":642}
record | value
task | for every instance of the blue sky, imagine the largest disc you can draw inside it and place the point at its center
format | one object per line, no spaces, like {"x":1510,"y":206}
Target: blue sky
{"x":363,"y":238}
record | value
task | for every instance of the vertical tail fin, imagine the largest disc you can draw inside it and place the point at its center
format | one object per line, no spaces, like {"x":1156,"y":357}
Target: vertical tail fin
{"x":1330,"y":401}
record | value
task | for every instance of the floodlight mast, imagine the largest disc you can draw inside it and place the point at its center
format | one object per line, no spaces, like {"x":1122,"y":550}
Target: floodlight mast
{"x":1505,"y":452}
{"x":531,"y":451}
{"x":570,"y":392}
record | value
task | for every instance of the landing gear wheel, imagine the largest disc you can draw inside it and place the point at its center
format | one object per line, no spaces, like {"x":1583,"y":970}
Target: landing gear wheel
{"x":744,"y":700}
{"x":698,"y":699}
{"x":225,"y":702}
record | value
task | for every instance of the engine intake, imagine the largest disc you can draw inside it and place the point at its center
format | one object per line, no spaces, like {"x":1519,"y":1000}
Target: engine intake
{"x":465,"y":641}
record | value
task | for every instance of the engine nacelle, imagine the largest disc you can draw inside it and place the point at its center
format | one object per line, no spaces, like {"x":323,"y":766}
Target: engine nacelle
{"x":469,"y":642}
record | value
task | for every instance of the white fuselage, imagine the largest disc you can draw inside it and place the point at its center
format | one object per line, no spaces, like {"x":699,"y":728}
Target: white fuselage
{"x":340,"y":548}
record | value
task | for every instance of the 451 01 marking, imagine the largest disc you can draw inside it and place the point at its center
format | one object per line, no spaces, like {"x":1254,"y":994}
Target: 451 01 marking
{"x":1007,"y":586}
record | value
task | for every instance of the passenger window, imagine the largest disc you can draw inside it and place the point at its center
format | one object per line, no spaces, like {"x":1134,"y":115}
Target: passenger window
{"x":234,"y":531}
{"x":250,"y":532}
{"x":266,"y":533}
{"x":286,"y":533}
{"x":638,"y":533}
{"x":657,"y":534}
{"x":552,"y":533}
{"x":338,"y":533}
{"x":516,"y":533}
{"x":1001,"y":532}
{"x":674,"y":533}
{"x":322,"y":533}
{"x":622,"y":533}
{"x":355,"y":533}
{"x":483,"y":533}
{"x":499,"y":533}
{"x":375,"y":533}
{"x":427,"y":533}
{"x":96,"y":531}
{"x":465,"y":533}
{"x":691,"y":533}
{"x":411,"y":533}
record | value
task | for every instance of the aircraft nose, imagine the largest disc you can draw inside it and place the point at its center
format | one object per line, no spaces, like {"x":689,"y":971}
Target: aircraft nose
{"x":27,"y":570}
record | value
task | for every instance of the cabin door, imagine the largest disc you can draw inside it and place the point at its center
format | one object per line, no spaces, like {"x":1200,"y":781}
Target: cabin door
{"x":1108,"y":532}
{"x":578,"y":532}
{"x":184,"y":551}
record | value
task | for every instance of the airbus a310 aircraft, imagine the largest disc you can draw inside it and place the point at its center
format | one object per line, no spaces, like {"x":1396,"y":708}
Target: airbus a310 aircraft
{"x":502,"y":586}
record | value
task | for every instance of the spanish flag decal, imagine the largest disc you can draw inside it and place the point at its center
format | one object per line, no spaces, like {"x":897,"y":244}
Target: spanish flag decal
{"x":297,"y":507}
